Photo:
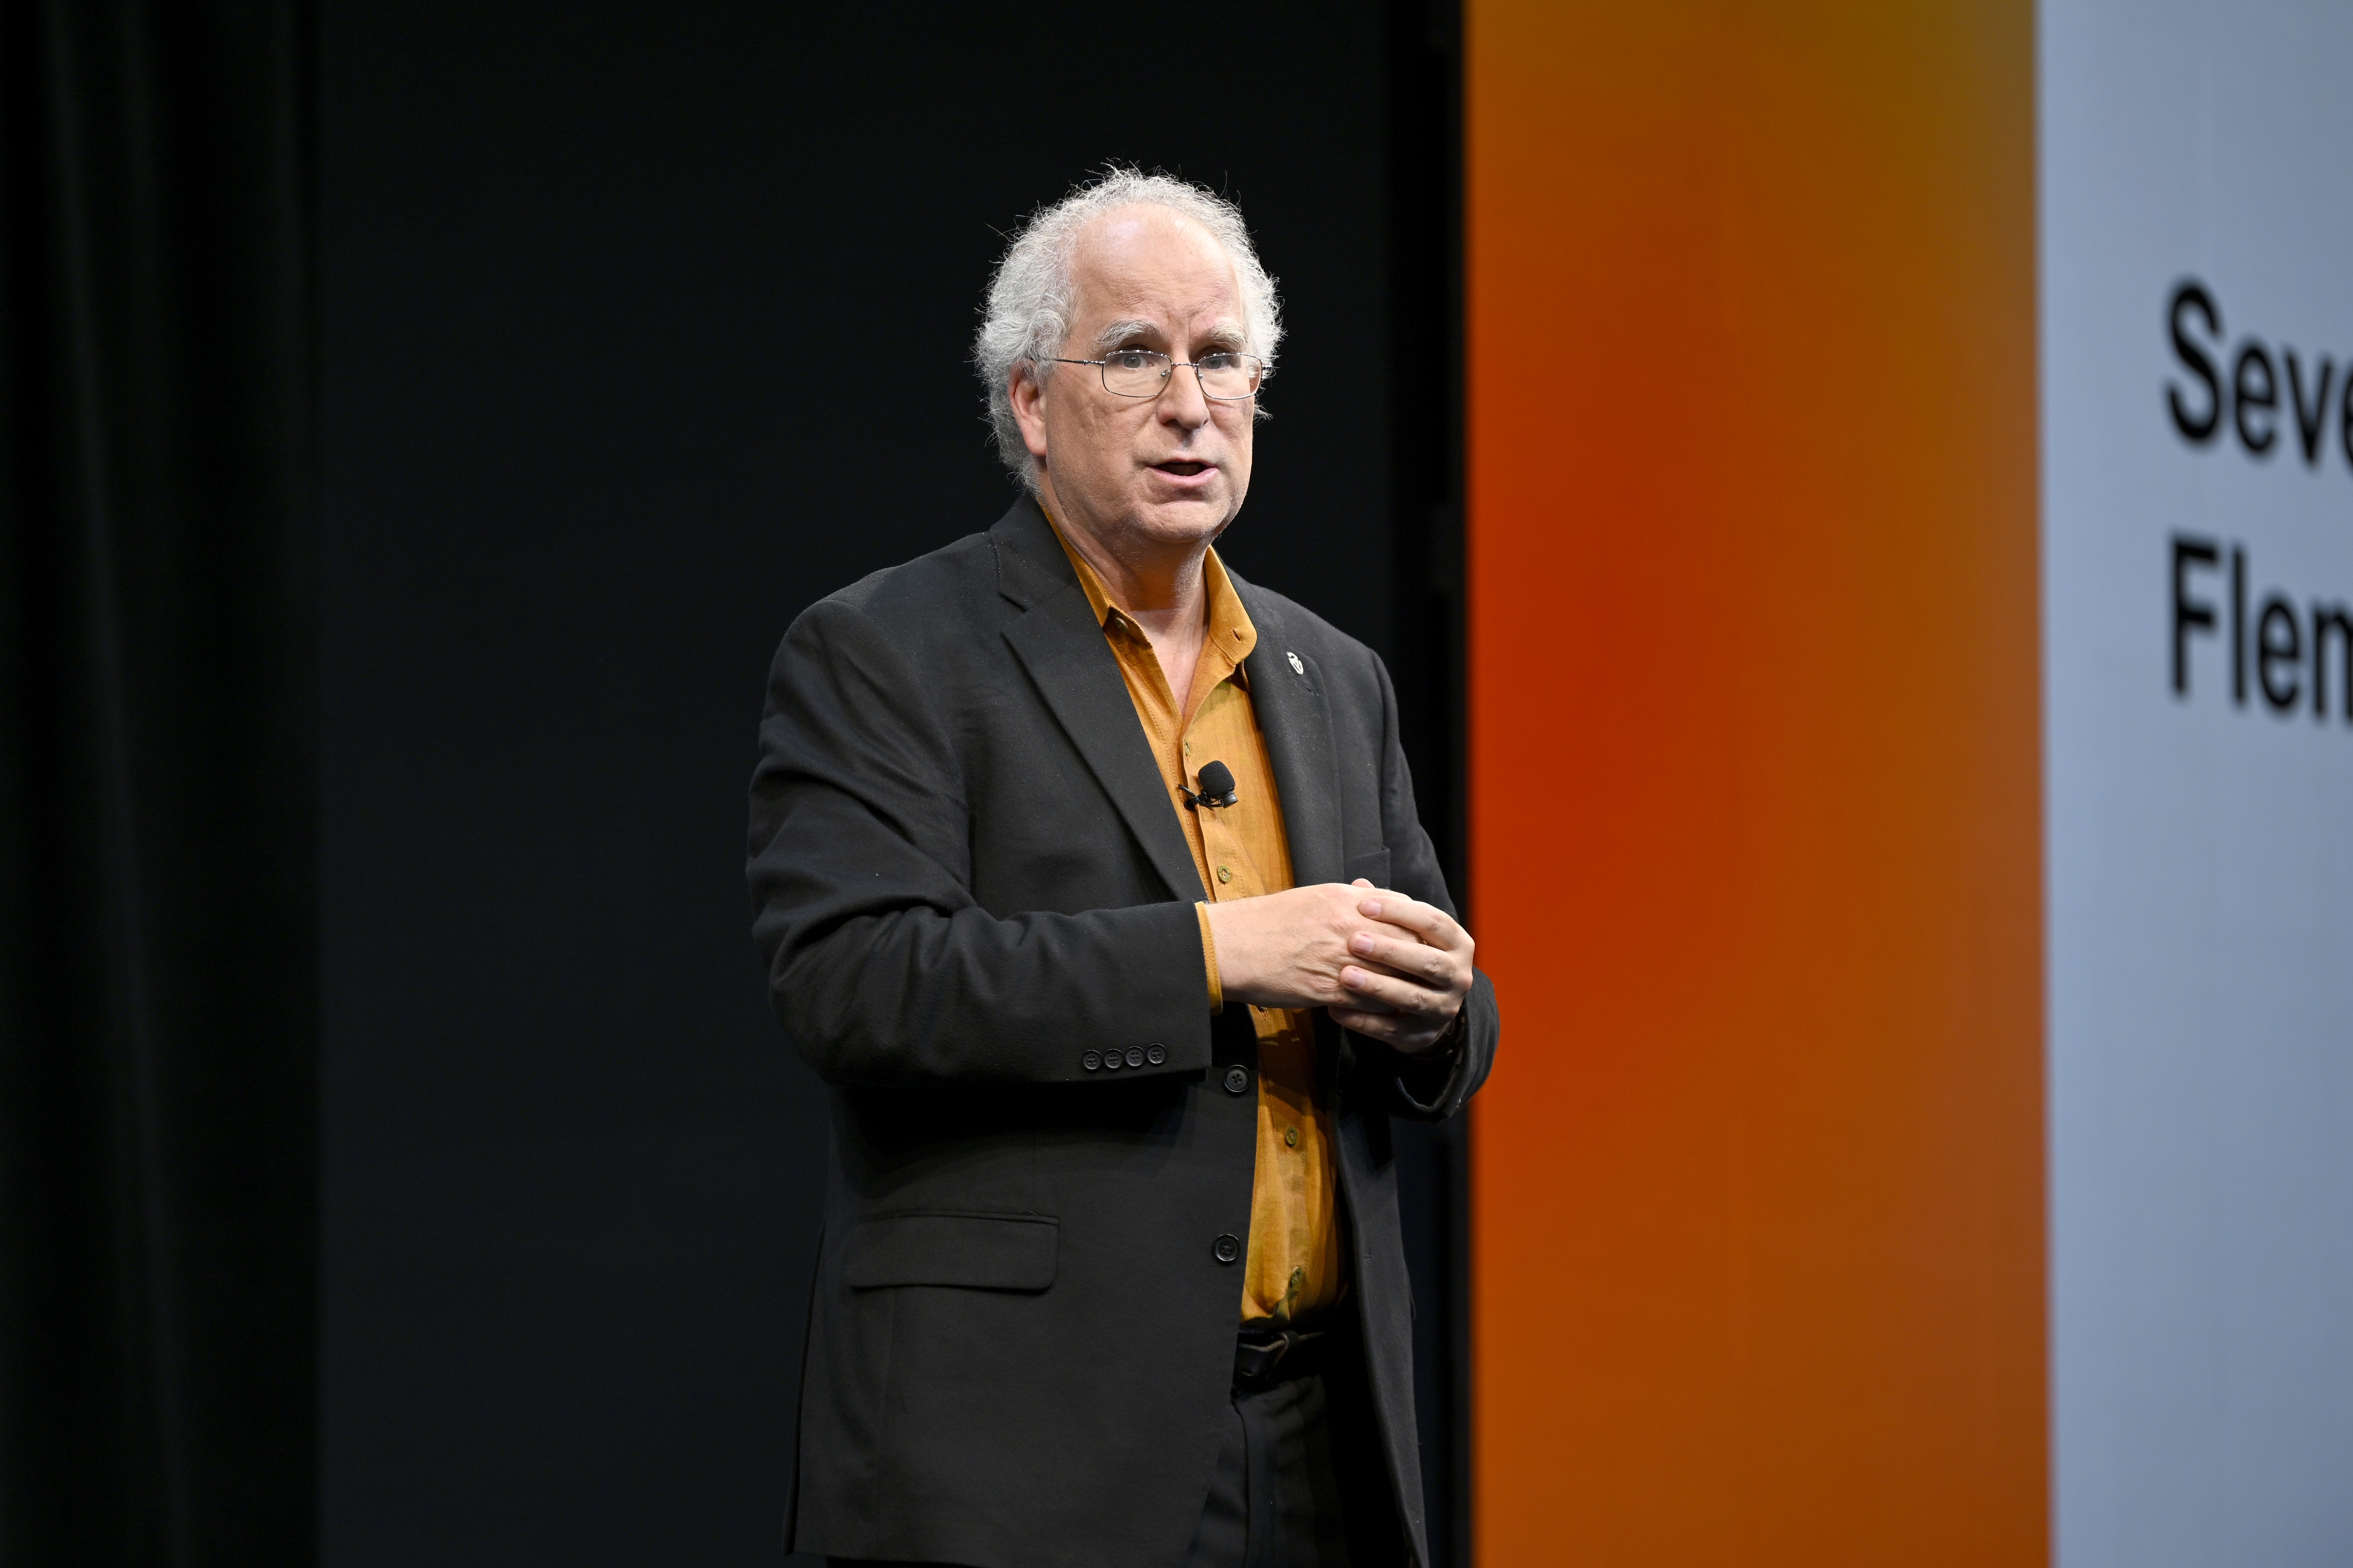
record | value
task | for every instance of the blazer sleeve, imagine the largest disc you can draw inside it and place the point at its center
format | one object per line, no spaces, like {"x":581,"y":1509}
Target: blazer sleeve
{"x":881,"y":967}
{"x":1431,"y":1086}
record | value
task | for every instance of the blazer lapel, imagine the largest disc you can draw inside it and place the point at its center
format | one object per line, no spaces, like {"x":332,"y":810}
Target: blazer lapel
{"x":1297,"y":722}
{"x":1065,"y":653}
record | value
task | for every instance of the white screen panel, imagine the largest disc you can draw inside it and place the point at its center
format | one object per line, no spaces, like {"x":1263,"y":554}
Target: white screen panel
{"x":2200,"y":842}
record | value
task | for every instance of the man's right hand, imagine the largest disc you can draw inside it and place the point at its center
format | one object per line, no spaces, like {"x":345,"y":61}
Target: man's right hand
{"x":1290,"y":948}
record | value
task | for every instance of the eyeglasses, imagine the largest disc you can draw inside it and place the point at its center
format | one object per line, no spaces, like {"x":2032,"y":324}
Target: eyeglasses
{"x":1144,"y":373}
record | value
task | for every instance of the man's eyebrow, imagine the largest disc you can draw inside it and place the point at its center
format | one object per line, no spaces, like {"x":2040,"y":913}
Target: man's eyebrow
{"x":1227,"y":336}
{"x":1120,"y":332}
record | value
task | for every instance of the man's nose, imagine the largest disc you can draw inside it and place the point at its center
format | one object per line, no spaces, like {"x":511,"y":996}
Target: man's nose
{"x":1181,"y":401}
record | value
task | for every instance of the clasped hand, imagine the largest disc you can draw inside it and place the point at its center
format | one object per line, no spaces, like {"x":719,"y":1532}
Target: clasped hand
{"x":1385,"y":965}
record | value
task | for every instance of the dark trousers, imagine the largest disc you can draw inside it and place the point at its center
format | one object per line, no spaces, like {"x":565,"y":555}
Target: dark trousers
{"x":1300,"y":1480}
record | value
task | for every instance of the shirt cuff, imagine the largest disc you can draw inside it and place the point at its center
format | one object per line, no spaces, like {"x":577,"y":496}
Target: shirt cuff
{"x":1209,"y":958}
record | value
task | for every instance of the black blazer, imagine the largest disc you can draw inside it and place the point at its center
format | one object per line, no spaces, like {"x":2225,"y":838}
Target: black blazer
{"x":966,"y":877}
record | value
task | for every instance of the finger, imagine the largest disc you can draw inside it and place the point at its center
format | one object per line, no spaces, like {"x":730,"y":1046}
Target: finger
{"x":1360,"y":882}
{"x":1427,"y":921}
{"x":1403,"y":977}
{"x":1420,"y":961}
{"x":1396,"y":996}
{"x":1408,"y":1034}
{"x":1433,"y":925}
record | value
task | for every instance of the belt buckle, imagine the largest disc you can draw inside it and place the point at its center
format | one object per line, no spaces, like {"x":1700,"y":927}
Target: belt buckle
{"x":1257,"y":1362}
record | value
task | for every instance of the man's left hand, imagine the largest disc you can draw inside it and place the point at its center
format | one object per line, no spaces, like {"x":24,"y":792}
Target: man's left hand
{"x":1411,"y":1000}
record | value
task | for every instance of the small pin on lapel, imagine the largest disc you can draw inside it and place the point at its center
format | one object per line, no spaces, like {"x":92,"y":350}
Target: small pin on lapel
{"x":1296,"y":667}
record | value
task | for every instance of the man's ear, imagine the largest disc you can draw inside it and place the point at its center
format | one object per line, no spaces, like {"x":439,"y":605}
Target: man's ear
{"x":1028,"y":390}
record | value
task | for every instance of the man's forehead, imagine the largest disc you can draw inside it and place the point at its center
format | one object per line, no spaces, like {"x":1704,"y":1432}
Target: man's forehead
{"x":1135,"y":257}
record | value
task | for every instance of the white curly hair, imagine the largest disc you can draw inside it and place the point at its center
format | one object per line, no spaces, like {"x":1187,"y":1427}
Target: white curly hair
{"x":1027,"y":316}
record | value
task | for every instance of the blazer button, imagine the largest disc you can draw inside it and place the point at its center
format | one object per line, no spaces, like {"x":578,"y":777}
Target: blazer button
{"x":1091,"y":1062}
{"x":1228,"y":1249}
{"x":1111,"y":1060}
{"x":1237,"y":1080}
{"x":1154,"y":1055}
{"x":1136,"y":1056}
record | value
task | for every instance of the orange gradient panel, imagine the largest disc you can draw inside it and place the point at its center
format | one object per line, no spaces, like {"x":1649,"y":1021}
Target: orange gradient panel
{"x":1758,"y":1184}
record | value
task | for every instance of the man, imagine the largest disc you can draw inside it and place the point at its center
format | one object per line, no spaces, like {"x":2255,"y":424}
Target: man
{"x":1088,"y":878}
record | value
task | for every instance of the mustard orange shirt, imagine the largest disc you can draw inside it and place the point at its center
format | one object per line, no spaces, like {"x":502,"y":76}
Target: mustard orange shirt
{"x":1295,"y":1268}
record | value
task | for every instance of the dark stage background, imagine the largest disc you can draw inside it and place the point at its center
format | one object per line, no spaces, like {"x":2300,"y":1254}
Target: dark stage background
{"x":158,"y":784}
{"x":643,"y":327}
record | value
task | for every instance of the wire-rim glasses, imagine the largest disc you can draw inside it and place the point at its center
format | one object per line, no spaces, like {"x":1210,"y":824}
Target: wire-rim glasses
{"x":1144,"y":373}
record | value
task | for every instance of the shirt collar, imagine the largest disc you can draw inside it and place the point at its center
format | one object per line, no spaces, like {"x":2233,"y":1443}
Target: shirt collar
{"x":1230,"y":631}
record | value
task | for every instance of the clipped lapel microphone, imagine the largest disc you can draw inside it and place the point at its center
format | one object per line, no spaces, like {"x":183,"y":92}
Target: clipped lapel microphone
{"x":1217,"y":787}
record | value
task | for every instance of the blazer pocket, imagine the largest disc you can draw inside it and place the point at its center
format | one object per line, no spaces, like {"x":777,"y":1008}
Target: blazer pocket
{"x":1373,"y":865}
{"x":978,"y":1251}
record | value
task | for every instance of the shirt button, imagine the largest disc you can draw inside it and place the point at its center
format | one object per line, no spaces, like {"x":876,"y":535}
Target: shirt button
{"x":1136,"y":1056}
{"x":1188,"y":748}
{"x":1291,"y":1137}
{"x":1237,"y":1080}
{"x":1091,"y":1062}
{"x":1154,"y":1055}
{"x":1228,"y":1249}
{"x":1225,"y":873}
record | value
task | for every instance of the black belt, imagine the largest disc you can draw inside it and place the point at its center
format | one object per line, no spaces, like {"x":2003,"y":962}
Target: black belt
{"x":1265,"y":1356}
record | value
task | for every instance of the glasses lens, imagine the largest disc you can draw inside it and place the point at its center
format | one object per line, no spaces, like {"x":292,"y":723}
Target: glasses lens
{"x":1135,"y":373}
{"x":1230,"y":376}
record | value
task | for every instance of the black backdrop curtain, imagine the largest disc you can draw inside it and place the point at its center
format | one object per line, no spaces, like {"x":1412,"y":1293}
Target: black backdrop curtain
{"x":161,"y":693}
{"x":157,"y":784}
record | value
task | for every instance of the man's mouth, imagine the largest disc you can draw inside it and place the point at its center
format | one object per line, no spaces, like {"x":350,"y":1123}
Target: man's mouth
{"x":1183,"y":467}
